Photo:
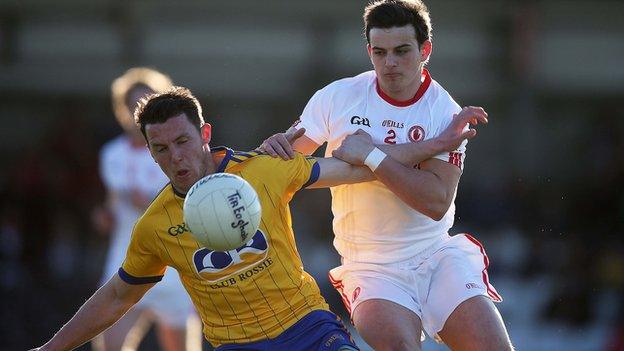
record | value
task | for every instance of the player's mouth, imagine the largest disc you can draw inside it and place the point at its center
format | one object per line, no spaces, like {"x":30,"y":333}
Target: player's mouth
{"x":182,"y":173}
{"x":393,"y":75}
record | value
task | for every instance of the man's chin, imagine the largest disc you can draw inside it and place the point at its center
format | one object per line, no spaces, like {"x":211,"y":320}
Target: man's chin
{"x":182,"y":187}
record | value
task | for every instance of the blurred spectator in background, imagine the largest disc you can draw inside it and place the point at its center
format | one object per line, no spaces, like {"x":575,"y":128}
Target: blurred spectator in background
{"x":132,"y":179}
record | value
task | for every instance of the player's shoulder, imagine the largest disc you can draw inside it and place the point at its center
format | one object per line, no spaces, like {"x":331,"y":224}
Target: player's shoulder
{"x":441,"y":101}
{"x":260,"y":160}
{"x":360,"y":80}
{"x":157,"y":208}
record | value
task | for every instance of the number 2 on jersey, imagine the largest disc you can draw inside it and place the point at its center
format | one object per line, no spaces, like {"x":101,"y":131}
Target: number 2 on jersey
{"x":390,"y":138}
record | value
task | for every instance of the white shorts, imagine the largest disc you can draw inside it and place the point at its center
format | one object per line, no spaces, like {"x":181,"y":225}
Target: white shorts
{"x":167,"y":300}
{"x":431,"y":284}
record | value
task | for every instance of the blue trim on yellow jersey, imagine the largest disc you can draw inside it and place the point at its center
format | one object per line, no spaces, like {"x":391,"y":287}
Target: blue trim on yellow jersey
{"x":177,"y":193}
{"x":246,"y":154}
{"x":130,"y":279}
{"x":314,"y":175}
{"x":228,"y":155}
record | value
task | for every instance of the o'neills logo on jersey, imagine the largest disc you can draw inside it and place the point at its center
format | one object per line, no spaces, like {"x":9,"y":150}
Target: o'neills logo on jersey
{"x":360,"y":121}
{"x":392,"y":124}
{"x":225,"y":268}
{"x":416,"y":134}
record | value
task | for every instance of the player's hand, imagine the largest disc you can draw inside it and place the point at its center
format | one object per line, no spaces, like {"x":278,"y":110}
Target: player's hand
{"x":355,"y":148}
{"x":280,"y":144}
{"x":457,"y":131}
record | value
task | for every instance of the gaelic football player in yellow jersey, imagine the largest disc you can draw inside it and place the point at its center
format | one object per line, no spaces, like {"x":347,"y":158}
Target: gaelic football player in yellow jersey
{"x":257,"y":297}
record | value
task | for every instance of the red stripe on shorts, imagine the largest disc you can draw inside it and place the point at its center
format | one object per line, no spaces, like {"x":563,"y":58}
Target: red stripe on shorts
{"x":340,"y":288}
{"x":486,"y":262}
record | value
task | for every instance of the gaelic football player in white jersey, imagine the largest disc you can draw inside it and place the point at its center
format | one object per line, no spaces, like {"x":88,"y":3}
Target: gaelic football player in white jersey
{"x":132,"y":180}
{"x":401,"y":272}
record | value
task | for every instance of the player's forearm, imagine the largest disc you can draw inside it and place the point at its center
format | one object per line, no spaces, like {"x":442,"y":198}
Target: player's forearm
{"x":422,"y":190}
{"x":411,"y":154}
{"x":335,"y":172}
{"x":304,"y":144}
{"x":99,"y":312}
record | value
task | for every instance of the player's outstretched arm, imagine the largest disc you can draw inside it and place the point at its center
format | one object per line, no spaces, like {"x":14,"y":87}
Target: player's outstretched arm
{"x":285,"y":144}
{"x":450,"y":139}
{"x":100,"y":311}
{"x":429,"y":190}
{"x":335,"y":172}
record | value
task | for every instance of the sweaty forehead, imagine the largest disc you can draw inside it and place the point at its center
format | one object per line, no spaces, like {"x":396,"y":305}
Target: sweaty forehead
{"x":392,"y":37}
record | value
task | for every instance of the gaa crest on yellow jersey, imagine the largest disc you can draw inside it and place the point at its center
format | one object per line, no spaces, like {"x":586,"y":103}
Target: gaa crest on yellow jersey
{"x":214,"y":266}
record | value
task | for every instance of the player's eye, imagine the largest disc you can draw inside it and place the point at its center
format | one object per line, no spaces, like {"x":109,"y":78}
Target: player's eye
{"x":378,"y":52}
{"x":161,"y":149}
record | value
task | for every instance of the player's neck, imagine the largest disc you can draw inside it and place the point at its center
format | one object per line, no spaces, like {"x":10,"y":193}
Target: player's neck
{"x":402,"y":95}
{"x":407,"y":95}
{"x":217,"y":158}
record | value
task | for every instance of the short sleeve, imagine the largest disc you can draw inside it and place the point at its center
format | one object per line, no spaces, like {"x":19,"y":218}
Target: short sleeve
{"x":444,"y":112}
{"x":142,"y":264}
{"x":315,"y":117}
{"x":287,"y":177}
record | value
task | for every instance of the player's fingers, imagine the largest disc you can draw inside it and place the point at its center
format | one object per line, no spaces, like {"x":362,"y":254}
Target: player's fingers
{"x":478,"y":113}
{"x":361,"y":131}
{"x":287,"y":152}
{"x":336,"y":153}
{"x":278,"y":145}
{"x":471,"y":116}
{"x":296,"y":135}
{"x":268,"y":149}
{"x":469,"y":134}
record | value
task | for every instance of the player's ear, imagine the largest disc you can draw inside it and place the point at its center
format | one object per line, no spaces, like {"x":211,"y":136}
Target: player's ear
{"x":425,"y":50}
{"x":369,"y":49}
{"x":206,"y":133}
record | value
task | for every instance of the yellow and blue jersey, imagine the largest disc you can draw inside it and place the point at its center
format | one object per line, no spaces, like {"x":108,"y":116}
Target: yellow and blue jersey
{"x":252,"y":293}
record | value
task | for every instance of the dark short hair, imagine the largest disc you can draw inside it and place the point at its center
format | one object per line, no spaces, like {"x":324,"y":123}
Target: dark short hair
{"x":398,"y":13}
{"x":158,"y":108}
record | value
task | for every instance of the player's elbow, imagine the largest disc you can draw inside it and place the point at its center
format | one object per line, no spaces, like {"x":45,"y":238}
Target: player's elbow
{"x":433,"y":214}
{"x":436,"y":210}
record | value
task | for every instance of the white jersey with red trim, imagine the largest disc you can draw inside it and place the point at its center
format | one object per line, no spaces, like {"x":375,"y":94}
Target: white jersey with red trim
{"x":371,"y":223}
{"x":125,"y":168}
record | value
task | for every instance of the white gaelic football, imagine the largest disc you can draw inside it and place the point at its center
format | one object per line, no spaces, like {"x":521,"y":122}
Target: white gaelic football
{"x":222,"y":211}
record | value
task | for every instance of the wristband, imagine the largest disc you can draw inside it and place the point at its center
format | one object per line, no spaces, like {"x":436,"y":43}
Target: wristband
{"x":374,"y":158}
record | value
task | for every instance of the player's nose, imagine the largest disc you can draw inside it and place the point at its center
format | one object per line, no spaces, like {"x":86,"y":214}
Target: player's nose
{"x":391,"y":60}
{"x":176,"y":154}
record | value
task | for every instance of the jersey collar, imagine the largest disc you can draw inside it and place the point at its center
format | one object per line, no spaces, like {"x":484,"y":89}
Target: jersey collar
{"x":421,"y":91}
{"x":226,"y":159}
